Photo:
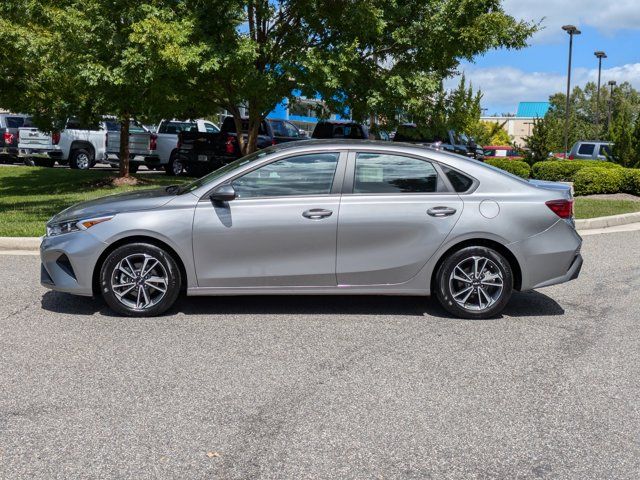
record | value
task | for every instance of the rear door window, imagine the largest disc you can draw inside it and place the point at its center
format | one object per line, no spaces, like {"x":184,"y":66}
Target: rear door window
{"x":390,"y":173}
{"x":586,"y":149}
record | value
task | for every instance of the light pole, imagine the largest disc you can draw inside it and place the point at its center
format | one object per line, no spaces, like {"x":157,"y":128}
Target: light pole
{"x":612,"y":84}
{"x":599,"y":55}
{"x":571,"y":30}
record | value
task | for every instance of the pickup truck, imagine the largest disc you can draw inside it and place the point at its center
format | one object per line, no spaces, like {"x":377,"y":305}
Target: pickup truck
{"x":142,"y":146}
{"x":203,"y":152}
{"x":80,"y":146}
{"x":452,"y":142}
{"x":10,"y":124}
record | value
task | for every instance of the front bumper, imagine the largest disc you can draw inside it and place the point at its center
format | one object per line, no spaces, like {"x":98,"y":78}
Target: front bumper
{"x":68,"y":261}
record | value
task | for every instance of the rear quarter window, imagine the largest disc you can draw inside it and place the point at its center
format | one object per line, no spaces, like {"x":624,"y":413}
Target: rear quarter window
{"x":460,"y":182}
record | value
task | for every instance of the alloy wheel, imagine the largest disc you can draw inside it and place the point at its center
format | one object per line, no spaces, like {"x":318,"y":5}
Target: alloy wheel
{"x":476,"y":283}
{"x":139,"y":281}
{"x":82,"y":161}
{"x":177,"y":167}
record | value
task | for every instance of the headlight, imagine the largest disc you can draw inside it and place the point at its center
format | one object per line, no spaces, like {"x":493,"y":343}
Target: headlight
{"x":69,"y":226}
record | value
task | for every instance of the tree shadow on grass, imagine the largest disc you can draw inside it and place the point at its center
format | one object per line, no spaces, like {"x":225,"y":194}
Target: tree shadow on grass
{"x":528,"y":304}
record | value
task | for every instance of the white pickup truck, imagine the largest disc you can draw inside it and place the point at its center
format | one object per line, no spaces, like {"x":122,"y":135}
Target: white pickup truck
{"x":79,"y":146}
{"x":158,"y":150}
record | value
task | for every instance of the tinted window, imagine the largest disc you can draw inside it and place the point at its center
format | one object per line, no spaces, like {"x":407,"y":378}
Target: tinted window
{"x":460,"y":182}
{"x":605,"y":151}
{"x":177,"y":127}
{"x":301,"y":175}
{"x":230,"y":126}
{"x":278,"y":128}
{"x":586,"y":149}
{"x":383,"y":173}
{"x":323,"y":130}
{"x":290,"y":130}
{"x":15,"y":122}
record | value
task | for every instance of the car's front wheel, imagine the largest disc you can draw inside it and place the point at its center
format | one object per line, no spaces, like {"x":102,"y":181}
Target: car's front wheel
{"x":140,"y":280}
{"x":174,"y":167}
{"x":474,"y":283}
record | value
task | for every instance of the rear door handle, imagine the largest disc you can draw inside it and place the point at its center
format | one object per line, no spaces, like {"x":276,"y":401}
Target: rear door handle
{"x":441,"y":211}
{"x":317,"y":213}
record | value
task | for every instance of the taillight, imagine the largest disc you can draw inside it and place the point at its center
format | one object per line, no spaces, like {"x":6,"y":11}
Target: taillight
{"x":273,"y":141}
{"x":571,"y":157}
{"x":228,"y":145}
{"x":55,"y":138}
{"x":562,"y":208}
{"x":7,"y":137}
{"x":153,"y":142}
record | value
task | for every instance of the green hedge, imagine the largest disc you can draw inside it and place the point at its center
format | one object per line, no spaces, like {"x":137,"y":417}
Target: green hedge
{"x":592,"y":180}
{"x":565,"y":170}
{"x":517,"y":167}
{"x":631,"y":182}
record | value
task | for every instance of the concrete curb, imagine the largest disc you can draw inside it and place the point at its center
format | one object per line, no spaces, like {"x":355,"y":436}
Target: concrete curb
{"x":606,"y":222}
{"x":32,"y":244}
{"x":20,"y":243}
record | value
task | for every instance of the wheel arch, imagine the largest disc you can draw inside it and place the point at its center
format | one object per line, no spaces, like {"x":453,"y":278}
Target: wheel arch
{"x":482,"y":242}
{"x":95,"y":279}
{"x":78,"y":144}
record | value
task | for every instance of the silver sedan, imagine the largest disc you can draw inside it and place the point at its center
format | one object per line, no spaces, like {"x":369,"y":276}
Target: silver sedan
{"x":321,"y":217}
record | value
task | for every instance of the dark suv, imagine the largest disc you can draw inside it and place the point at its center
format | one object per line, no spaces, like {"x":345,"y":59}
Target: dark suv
{"x":10,"y":123}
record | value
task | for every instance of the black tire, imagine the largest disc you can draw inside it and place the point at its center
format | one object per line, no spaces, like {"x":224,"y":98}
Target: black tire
{"x":29,"y":162}
{"x":44,"y":162}
{"x":174,"y":167}
{"x":111,"y":276}
{"x":81,"y":159}
{"x":483,"y":289}
{"x":133,"y":167}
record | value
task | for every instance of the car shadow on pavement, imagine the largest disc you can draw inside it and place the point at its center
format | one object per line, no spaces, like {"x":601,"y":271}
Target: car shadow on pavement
{"x":522,"y":304}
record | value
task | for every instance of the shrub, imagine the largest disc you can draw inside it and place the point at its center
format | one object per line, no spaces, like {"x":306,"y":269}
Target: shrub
{"x":565,"y":170}
{"x":592,"y":180}
{"x":631,"y":182}
{"x":517,"y":167}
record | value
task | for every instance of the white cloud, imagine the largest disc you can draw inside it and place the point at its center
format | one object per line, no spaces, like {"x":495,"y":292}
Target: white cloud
{"x":504,"y":87}
{"x":606,"y":16}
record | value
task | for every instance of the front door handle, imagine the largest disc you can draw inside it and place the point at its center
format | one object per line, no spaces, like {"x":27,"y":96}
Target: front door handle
{"x":317,"y":213}
{"x":441,"y":211}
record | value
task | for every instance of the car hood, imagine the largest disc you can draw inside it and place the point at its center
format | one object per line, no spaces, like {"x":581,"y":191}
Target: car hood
{"x":119,"y":203}
{"x":557,"y":186}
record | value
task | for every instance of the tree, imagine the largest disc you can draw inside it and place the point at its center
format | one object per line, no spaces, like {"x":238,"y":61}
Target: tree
{"x":360,"y":56}
{"x":538,"y":145}
{"x":94,"y":57}
{"x":621,"y":133}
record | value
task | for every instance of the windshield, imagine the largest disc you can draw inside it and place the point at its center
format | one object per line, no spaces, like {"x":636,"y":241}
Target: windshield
{"x":213,"y":176}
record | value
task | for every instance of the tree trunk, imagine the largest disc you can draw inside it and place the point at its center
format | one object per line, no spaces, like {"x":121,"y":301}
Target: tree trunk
{"x":124,"y":146}
{"x":252,"y":134}
{"x":237,"y":120}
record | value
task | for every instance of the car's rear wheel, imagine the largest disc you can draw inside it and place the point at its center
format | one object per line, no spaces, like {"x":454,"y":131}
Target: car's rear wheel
{"x":81,"y":159}
{"x":140,"y":280}
{"x":174,"y":167}
{"x":474,"y":283}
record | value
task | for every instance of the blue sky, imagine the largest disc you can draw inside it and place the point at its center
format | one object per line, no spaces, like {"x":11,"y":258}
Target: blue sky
{"x":532,"y":74}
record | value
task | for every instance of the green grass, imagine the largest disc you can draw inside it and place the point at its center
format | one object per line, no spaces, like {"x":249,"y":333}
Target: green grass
{"x":592,"y":207}
{"x":30,"y":196}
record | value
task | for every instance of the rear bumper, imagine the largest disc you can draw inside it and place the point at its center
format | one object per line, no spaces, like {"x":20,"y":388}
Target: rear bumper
{"x":9,"y":151}
{"x":550,"y":257}
{"x":40,"y":153}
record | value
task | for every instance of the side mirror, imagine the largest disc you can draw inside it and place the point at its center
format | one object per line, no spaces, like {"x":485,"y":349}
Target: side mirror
{"x":224,"y":193}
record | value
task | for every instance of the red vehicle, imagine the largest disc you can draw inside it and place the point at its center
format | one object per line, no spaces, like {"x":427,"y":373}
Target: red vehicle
{"x":502,"y":151}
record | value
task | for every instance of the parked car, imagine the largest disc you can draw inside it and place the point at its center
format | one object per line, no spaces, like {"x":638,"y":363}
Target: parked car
{"x":591,"y":150}
{"x":501,"y":151}
{"x":340,"y":129}
{"x":451,"y":142}
{"x":81,"y":146}
{"x":321,"y":217}
{"x":10,"y":124}
{"x":203,"y":152}
{"x":167,"y":141}
{"x":143,"y":146}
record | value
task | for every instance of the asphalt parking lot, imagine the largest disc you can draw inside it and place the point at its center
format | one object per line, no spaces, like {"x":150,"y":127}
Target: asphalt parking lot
{"x":304,"y":387}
